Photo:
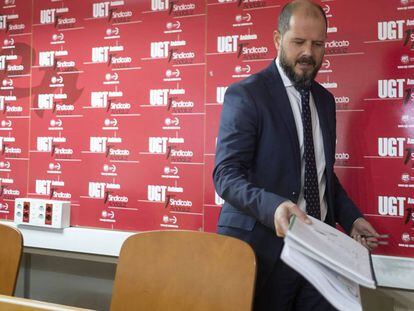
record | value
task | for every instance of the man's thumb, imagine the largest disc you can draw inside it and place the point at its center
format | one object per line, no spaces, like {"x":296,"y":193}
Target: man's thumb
{"x":300,"y":214}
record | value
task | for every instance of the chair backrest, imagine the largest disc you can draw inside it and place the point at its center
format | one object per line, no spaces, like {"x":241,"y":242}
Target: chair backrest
{"x":11,"y":245}
{"x":184,"y":270}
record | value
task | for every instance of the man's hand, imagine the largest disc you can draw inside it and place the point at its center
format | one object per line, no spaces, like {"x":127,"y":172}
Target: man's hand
{"x":363,"y":232}
{"x":282,"y":217}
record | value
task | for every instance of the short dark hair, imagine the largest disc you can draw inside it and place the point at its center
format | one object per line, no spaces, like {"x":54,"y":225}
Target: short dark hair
{"x":289,"y":9}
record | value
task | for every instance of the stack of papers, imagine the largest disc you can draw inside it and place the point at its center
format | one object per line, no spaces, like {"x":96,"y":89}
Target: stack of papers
{"x":333,"y":262}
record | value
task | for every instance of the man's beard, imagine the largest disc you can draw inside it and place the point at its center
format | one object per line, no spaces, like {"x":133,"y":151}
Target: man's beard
{"x":303,"y":81}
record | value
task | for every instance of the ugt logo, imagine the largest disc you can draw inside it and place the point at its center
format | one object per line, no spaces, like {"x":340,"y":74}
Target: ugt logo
{"x":410,"y":216}
{"x":409,"y":38}
{"x":409,"y":156}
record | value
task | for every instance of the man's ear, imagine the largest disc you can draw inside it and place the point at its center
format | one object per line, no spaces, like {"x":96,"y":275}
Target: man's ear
{"x":277,"y":38}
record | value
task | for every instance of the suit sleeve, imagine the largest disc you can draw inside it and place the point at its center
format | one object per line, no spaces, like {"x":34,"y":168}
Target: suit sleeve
{"x":346,"y":212}
{"x":235,"y":155}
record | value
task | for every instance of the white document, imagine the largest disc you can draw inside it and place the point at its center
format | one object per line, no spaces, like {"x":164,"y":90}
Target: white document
{"x":341,"y":292}
{"x":332,"y":261}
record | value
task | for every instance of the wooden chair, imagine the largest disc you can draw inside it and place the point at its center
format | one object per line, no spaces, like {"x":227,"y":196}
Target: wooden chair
{"x":184,"y":270}
{"x":11,"y":245}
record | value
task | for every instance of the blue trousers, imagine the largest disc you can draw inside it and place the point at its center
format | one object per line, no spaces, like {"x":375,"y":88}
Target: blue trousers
{"x":286,"y":290}
{"x":278,"y":287}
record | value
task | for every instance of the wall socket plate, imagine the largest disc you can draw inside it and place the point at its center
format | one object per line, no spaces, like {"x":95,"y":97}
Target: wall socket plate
{"x":42,"y":213}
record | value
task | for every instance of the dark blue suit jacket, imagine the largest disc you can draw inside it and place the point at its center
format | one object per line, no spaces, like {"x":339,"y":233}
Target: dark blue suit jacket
{"x":258,"y":161}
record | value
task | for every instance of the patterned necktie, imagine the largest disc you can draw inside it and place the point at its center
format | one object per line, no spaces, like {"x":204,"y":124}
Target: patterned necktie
{"x":311,"y":191}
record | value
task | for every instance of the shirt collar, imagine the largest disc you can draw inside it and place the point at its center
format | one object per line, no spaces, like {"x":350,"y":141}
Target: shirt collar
{"x":286,"y":81}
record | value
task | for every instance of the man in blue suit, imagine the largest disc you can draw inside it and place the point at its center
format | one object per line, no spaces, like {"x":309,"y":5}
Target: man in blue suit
{"x":275,"y":158}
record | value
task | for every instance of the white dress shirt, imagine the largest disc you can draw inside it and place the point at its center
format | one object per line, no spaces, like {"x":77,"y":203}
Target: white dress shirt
{"x":296,"y":105}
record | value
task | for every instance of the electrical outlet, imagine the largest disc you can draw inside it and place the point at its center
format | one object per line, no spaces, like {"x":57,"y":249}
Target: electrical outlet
{"x":42,"y":213}
{"x":26,"y":212}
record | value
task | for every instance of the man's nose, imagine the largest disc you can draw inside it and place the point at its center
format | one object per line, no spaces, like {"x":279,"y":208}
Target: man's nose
{"x":307,"y":49}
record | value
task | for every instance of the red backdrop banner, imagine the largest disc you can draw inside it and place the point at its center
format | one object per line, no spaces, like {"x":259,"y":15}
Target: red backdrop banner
{"x":115,"y":105}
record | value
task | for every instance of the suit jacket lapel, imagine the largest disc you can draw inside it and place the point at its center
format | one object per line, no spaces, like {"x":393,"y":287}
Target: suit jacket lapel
{"x":324,"y":123}
{"x":281,"y":104}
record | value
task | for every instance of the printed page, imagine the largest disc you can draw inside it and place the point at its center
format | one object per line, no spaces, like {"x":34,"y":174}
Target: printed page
{"x":341,"y":292}
{"x":317,"y":257}
{"x":334,"y":248}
